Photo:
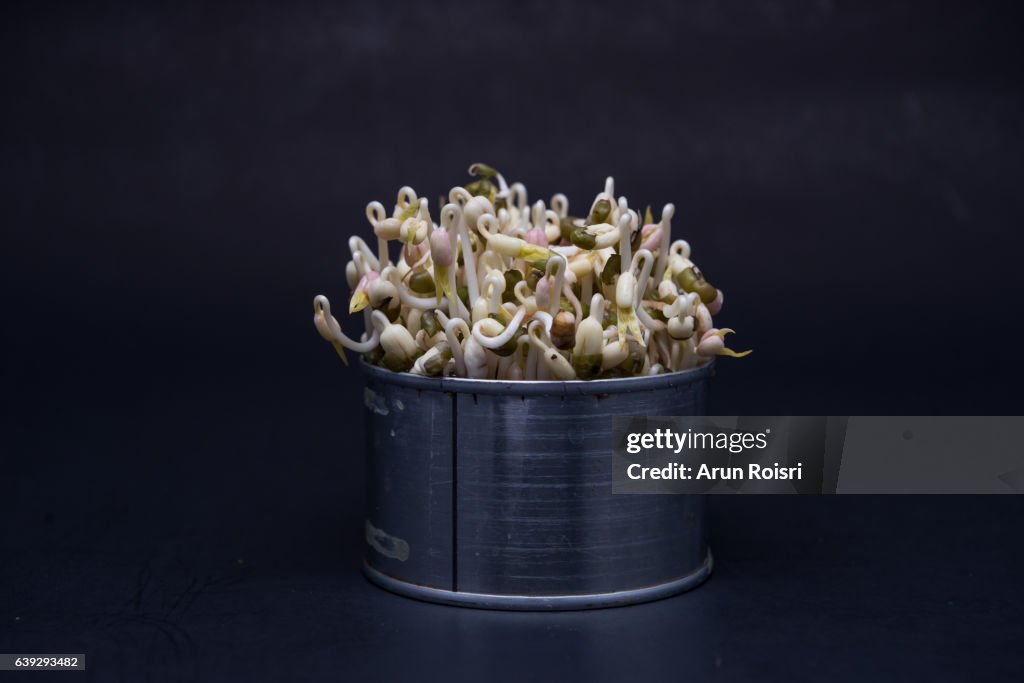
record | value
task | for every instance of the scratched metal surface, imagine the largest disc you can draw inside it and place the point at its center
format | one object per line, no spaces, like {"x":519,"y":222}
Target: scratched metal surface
{"x":409,"y":480}
{"x":536,"y":514}
{"x":532,"y":511}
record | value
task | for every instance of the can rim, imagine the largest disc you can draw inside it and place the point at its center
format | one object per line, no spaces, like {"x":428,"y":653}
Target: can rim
{"x":575,"y":387}
{"x":542,"y":603}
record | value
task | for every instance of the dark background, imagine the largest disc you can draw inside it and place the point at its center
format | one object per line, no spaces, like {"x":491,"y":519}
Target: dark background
{"x":181,"y":453}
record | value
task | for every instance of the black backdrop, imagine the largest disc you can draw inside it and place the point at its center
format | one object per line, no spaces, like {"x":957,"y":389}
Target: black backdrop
{"x":178,"y":184}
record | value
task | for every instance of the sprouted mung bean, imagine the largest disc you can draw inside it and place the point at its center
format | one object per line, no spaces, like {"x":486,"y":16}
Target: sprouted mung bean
{"x":499,"y":289}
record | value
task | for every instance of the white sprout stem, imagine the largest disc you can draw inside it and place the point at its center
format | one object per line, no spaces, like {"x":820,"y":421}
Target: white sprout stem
{"x":560,"y":203}
{"x":625,"y":253}
{"x":552,"y":226}
{"x":449,"y":217}
{"x":556,"y":290}
{"x":542,"y":368}
{"x":675,"y":307}
{"x":531,"y":362}
{"x":459,"y":196}
{"x":339,"y":335}
{"x":488,"y":225}
{"x":502,"y":185}
{"x":496,"y":281}
{"x":539,"y":214}
{"x":453,"y":342}
{"x":688,"y":357}
{"x":504,"y":220}
{"x":538,"y":347}
{"x":490,"y":261}
{"x":568,"y":293}
{"x":597,"y":304}
{"x":680,"y":305}
{"x":521,"y":291}
{"x":517,"y":197}
{"x":421,"y":260}
{"x":359,"y":247}
{"x":666,"y":239}
{"x":521,"y":356}
{"x":566,"y":252}
{"x":680,"y":248}
{"x":382,"y":249}
{"x":675,"y":357}
{"x":405,"y":296}
{"x":645,"y":272}
{"x":485,"y":266}
{"x":468,"y":258}
{"x":555,"y":364}
{"x":413,"y":319}
{"x":647,"y":320}
{"x":623,"y":209}
{"x":407,"y":194}
{"x":501,"y":339}
{"x":455,"y":302}
{"x":480,"y":310}
{"x":442,"y":319}
{"x":545,"y":320}
{"x":376,"y":215}
{"x":503,"y":367}
{"x":661,"y":341}
{"x":368,"y":330}
{"x":475,"y":358}
{"x":421,"y":303}
{"x":362,"y":263}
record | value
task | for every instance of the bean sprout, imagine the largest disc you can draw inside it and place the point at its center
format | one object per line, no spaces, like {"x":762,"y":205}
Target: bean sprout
{"x":502,"y":289}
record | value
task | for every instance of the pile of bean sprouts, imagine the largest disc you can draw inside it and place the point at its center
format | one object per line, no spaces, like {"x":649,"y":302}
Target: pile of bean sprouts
{"x":499,"y":289}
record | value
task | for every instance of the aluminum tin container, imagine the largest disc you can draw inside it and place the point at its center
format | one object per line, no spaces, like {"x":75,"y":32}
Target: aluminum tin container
{"x":498,"y":495}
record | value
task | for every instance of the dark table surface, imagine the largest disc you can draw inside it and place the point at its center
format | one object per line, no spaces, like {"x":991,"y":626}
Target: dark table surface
{"x":215,"y":534}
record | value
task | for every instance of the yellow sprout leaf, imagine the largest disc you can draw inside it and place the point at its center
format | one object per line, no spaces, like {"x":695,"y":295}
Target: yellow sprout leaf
{"x":341,"y":351}
{"x":534,"y":252}
{"x":627,"y":322}
{"x":726,"y":351}
{"x":441,"y":284}
{"x":410,"y":210}
{"x":358,"y":302}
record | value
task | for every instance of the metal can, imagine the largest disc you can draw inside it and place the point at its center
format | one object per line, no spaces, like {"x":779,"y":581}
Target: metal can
{"x":494,"y":494}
